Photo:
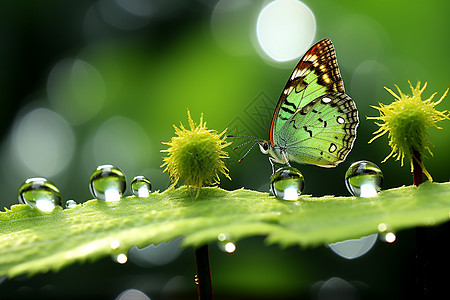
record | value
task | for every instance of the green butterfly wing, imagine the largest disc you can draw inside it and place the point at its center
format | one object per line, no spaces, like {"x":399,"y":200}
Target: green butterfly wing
{"x":315,"y":122}
{"x":322,"y":132}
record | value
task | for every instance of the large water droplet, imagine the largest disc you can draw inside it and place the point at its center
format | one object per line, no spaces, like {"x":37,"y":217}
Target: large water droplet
{"x":364,"y":179}
{"x":287,"y":183}
{"x":39,"y":192}
{"x":141,"y":186}
{"x":107,"y":183}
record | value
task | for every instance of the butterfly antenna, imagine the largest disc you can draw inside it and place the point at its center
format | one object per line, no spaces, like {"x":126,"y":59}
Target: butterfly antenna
{"x":254,"y":140}
{"x":248,"y":151}
{"x":246,"y":143}
{"x":246,"y":136}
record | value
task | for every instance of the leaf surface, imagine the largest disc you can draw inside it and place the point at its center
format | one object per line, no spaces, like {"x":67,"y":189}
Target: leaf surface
{"x":33,"y":241}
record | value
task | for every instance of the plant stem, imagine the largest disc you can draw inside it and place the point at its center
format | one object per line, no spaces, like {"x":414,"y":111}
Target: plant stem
{"x":417,"y":169}
{"x":203,"y":273}
{"x":421,"y":238}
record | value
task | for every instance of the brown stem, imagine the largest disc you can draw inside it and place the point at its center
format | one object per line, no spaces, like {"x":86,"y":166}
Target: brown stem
{"x":421,"y":238}
{"x":203,"y":273}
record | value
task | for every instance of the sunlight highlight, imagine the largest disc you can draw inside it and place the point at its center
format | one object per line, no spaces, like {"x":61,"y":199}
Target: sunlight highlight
{"x":285,"y":29}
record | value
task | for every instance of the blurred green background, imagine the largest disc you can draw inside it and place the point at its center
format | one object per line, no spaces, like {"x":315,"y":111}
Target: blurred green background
{"x":85,"y":83}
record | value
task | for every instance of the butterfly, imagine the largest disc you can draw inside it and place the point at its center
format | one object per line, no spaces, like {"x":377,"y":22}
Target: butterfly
{"x":315,"y":121}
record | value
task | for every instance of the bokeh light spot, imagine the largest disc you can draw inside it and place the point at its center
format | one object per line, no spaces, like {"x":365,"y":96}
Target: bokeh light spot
{"x":121,"y":142}
{"x":132,"y":294}
{"x":231,"y":25}
{"x":285,"y":29}
{"x":76,"y":90}
{"x":337,"y":288}
{"x":125,"y":15}
{"x":390,"y":237}
{"x":44,"y":142}
{"x":122,"y":258}
{"x":358,"y":38}
{"x":230,"y":247}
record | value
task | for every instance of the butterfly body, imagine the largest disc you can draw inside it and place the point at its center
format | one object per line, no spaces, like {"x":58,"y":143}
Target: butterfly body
{"x":314,"y":121}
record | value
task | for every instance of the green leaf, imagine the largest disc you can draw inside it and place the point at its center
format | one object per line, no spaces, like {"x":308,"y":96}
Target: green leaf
{"x":33,"y":241}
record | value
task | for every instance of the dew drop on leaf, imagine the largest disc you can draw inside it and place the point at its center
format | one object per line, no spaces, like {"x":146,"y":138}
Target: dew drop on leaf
{"x":364,"y":179}
{"x":70,"y":203}
{"x":287,"y":183}
{"x":141,"y":186}
{"x":107,"y":183}
{"x":41,"y":193}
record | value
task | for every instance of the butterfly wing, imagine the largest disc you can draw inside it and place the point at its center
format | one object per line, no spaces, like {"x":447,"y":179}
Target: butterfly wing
{"x":316,"y":74}
{"x":315,"y":122}
{"x":322,"y":132}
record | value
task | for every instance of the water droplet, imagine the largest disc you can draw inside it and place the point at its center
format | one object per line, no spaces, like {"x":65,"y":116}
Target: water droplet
{"x":70,"y":204}
{"x":39,"y":192}
{"x":107,"y":183}
{"x":364,"y":179}
{"x":287,"y":183}
{"x":141,"y":186}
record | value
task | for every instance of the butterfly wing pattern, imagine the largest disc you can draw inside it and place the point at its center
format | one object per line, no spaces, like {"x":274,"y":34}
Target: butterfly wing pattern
{"x":314,"y":121}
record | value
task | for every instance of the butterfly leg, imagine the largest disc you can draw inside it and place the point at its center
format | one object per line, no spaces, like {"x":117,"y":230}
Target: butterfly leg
{"x":287,"y":161}
{"x":272,"y":161}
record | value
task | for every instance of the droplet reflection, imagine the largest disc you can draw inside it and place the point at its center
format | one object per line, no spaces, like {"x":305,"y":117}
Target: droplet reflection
{"x":71,"y":203}
{"x":141,"y":186}
{"x":107,"y":183}
{"x":41,"y":193}
{"x":364,"y":179}
{"x":287,"y":183}
{"x":354,"y":248}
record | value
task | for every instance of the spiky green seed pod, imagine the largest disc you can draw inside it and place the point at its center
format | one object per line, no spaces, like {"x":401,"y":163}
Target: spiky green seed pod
{"x":406,"y":121}
{"x":196,"y":156}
